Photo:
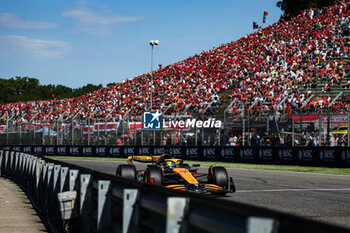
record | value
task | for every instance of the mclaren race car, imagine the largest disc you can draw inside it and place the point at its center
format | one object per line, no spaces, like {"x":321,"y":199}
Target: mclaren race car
{"x":173,"y":173}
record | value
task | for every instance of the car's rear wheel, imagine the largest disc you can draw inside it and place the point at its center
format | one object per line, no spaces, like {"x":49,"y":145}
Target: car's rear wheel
{"x":218,"y":175}
{"x":126,"y":171}
{"x":153,"y":175}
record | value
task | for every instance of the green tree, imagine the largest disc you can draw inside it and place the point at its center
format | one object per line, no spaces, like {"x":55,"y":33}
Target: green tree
{"x":293,"y":7}
{"x":29,"y":89}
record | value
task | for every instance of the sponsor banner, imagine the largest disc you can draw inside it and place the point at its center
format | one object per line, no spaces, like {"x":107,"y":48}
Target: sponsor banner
{"x":327,"y":155}
{"x":116,"y":151}
{"x":101,"y":151}
{"x":210,"y":153}
{"x":229,"y":154}
{"x":133,"y":124}
{"x":266,"y":154}
{"x":285,"y":155}
{"x":17,"y":148}
{"x":129,"y":151}
{"x":334,"y":119}
{"x":246,"y":154}
{"x":144,"y":150}
{"x":176,"y":152}
{"x":110,"y":126}
{"x":88,"y":129}
{"x":305,"y":155}
{"x":50,"y":150}
{"x":62,"y":150}
{"x":192,"y":153}
{"x":27,"y":149}
{"x":345,"y":156}
{"x":35,"y":126}
{"x":100,"y":127}
{"x":88,"y":151}
{"x":310,"y":156}
{"x":73,"y":150}
{"x":159,"y":151}
{"x":39,"y":150}
{"x":2,"y":128}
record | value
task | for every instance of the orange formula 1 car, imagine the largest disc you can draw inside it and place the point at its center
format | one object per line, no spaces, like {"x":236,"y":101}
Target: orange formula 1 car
{"x":173,"y":173}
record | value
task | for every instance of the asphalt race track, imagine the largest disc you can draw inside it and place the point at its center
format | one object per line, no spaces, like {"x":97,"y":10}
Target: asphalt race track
{"x":316,"y":196}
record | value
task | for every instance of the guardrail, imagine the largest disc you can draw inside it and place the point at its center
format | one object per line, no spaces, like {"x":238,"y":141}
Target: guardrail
{"x":82,"y":200}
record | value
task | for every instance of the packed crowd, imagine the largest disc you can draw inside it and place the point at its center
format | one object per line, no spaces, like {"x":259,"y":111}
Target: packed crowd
{"x":293,"y":55}
{"x":263,"y":67}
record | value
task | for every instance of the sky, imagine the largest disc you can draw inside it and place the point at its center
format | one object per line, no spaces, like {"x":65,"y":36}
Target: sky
{"x":78,"y":42}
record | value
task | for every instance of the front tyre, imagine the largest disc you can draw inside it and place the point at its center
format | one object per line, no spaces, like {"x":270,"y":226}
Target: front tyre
{"x":153,"y":175}
{"x":218,"y":175}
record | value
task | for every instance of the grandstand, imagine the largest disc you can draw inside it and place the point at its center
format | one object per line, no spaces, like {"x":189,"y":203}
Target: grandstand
{"x":298,"y":64}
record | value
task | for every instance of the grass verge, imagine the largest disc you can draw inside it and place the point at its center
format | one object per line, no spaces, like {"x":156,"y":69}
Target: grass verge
{"x":290,"y":168}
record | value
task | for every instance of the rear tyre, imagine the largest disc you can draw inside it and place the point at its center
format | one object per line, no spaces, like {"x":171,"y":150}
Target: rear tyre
{"x":218,"y":175}
{"x":126,"y":171}
{"x":155,"y":173}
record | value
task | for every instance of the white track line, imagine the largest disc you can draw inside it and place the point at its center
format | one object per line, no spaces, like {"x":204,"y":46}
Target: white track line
{"x":291,"y":190}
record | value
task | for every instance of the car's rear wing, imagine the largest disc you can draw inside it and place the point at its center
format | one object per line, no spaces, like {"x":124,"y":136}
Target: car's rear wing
{"x":143,"y":159}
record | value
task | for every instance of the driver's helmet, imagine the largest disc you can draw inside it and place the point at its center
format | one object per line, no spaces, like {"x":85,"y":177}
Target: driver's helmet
{"x":169,"y":164}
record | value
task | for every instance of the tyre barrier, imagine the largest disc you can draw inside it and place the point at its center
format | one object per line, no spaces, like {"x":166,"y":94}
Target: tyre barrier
{"x":76,"y":199}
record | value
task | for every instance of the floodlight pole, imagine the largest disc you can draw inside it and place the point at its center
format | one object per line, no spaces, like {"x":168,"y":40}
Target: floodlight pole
{"x":152,"y":43}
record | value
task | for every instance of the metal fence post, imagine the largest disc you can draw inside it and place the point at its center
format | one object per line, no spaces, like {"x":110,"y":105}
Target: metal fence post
{"x":320,"y":130}
{"x":267,"y":124}
{"x":64,"y":181}
{"x":135,"y":134}
{"x":58,"y":133}
{"x":72,"y":132}
{"x":177,"y":208}
{"x":6,"y":162}
{"x":195,"y":135}
{"x":7,"y":128}
{"x":73,"y":176}
{"x":328,"y":141}
{"x":85,"y":202}
{"x":88,"y":134}
{"x":261,"y":225}
{"x":12,"y":153}
{"x":43,"y":132}
{"x":103,"y":206}
{"x":293,"y":131}
{"x":1,"y":157}
{"x":56,"y":173}
{"x":348,"y":129}
{"x":248,"y":128}
{"x":130,"y":223}
{"x":16,"y":168}
{"x":37,"y":173}
{"x":20,"y":134}
{"x":243,"y":133}
{"x":47,"y":182}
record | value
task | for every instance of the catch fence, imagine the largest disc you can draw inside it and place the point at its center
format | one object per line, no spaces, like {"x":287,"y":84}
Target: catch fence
{"x":328,"y":129}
